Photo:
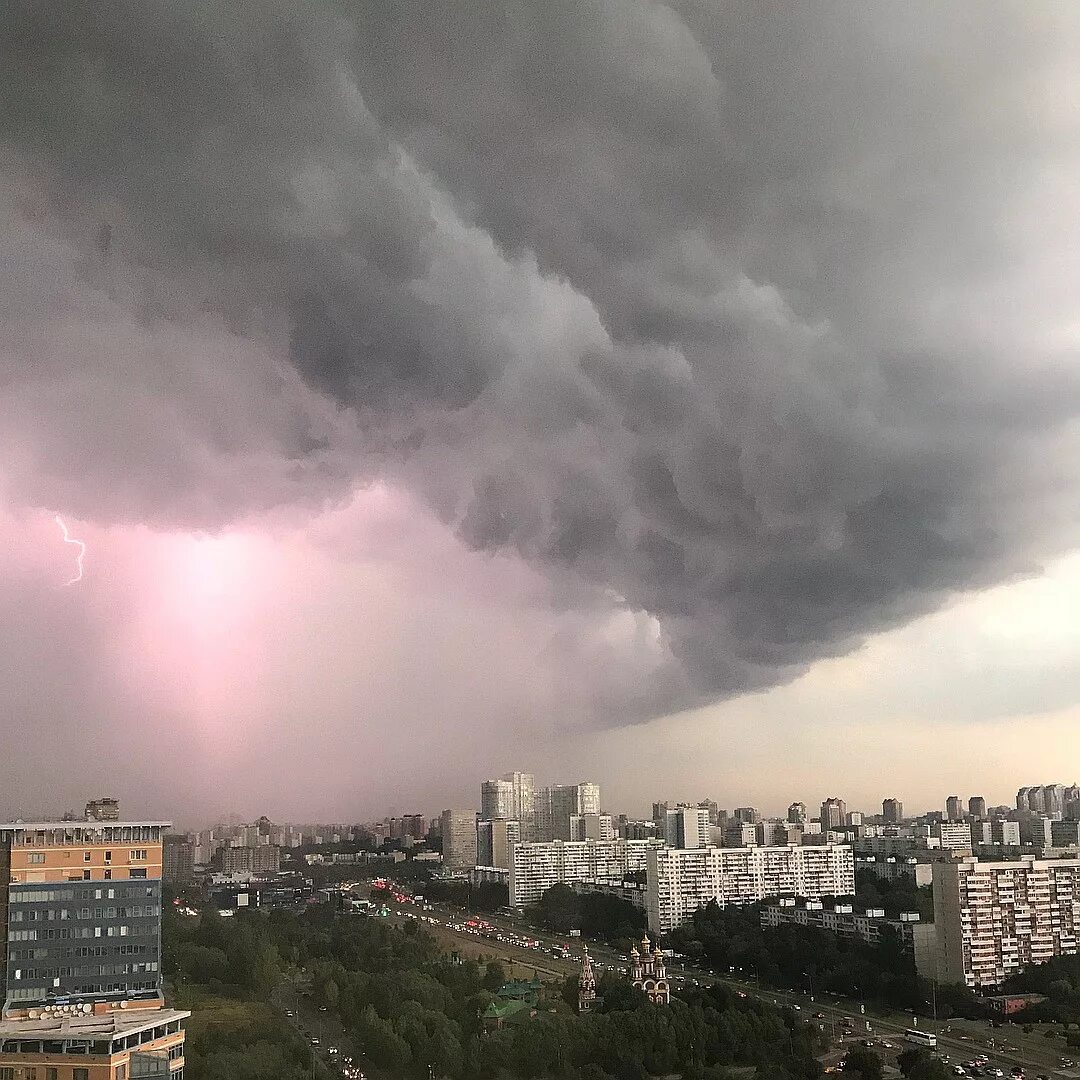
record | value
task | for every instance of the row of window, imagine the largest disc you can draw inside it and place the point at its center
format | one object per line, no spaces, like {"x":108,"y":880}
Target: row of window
{"x":81,"y":933}
{"x":69,"y":894}
{"x":127,"y":988}
{"x":82,"y":950}
{"x":125,"y":834}
{"x":127,"y":911}
{"x":29,"y":974}
{"x":37,"y":858}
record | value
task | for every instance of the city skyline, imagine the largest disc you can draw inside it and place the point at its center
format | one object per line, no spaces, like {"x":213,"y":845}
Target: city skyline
{"x":685,"y":393}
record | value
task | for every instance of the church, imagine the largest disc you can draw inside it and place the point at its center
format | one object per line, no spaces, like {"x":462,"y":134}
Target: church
{"x":649,"y":973}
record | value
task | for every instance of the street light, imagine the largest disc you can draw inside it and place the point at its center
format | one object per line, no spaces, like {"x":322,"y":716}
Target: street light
{"x":809,"y":975}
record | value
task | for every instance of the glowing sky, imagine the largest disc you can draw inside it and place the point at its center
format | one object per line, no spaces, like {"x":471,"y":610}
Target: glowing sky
{"x":682,"y":396}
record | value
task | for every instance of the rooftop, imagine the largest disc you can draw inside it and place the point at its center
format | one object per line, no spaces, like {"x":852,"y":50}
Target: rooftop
{"x":92,"y":1028}
{"x":81,"y":823}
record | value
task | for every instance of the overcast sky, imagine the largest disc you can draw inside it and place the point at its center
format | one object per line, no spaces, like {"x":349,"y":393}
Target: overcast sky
{"x":682,"y":396}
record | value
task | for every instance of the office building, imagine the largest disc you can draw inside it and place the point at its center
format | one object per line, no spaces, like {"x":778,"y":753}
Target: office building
{"x":833,"y":814}
{"x":535,"y":867}
{"x":638,"y":830}
{"x":796,"y":814}
{"x":746,"y":815}
{"x":81,"y":949}
{"x":953,"y":811}
{"x":459,"y":840}
{"x":511,"y":797}
{"x":995,"y":918}
{"x":493,"y":840}
{"x":678,"y":882}
{"x":892,"y":811}
{"x":977,"y":807}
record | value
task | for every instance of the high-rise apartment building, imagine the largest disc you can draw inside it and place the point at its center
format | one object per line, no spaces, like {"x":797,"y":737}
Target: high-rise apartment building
{"x":977,"y":808}
{"x":497,"y":800}
{"x":592,"y":827}
{"x":678,"y":882}
{"x":746,"y":815}
{"x":796,"y":814}
{"x":177,"y":860}
{"x":555,"y":805}
{"x":833,"y":814}
{"x":995,"y":918}
{"x":493,"y":841}
{"x":105,"y":809}
{"x":459,"y":839}
{"x":687,"y":827}
{"x":80,"y":930}
{"x":953,"y":811}
{"x":892,"y":811}
{"x":534,"y":868}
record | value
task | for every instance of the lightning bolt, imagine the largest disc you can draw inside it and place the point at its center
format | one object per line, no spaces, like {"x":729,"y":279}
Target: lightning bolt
{"x":69,"y":539}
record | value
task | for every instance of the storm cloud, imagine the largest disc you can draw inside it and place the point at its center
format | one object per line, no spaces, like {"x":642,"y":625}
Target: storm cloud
{"x":741,"y":325}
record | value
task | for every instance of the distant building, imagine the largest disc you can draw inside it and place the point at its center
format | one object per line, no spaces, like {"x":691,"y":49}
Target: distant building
{"x":459,"y":839}
{"x":264,"y":859}
{"x":535,"y":867}
{"x":977,"y":807}
{"x":648,"y":972}
{"x":746,"y":815}
{"x":796,"y":813}
{"x":955,"y":835}
{"x":686,"y":827}
{"x":952,"y":808}
{"x":833,"y":813}
{"x":493,"y":840}
{"x":892,"y":811}
{"x":178,"y":860}
{"x":103,"y":810}
{"x":679,"y":882}
{"x":592,"y":827}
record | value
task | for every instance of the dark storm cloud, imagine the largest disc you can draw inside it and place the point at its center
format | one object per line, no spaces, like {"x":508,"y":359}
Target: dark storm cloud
{"x":686,"y":304}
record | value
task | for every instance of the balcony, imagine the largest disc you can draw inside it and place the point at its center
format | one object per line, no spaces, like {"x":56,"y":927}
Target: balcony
{"x":148,"y":1065}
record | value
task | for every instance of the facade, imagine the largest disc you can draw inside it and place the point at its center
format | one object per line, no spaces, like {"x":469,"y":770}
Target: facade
{"x":535,"y":867}
{"x":892,"y":811}
{"x":102,"y":810}
{"x":678,"y":882}
{"x":512,"y":796}
{"x":80,"y":919}
{"x":952,"y":808}
{"x":995,"y":918}
{"x":648,"y":972}
{"x":459,"y":839}
{"x":977,"y":807}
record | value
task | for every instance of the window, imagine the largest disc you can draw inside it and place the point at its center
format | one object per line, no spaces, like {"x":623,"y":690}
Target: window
{"x":139,"y":855}
{"x":86,"y":856}
{"x":86,"y":875}
{"x":108,"y":856}
{"x":35,"y":858}
{"x":121,"y":1072}
{"x":108,"y":875}
{"x":80,"y":1074}
{"x":51,"y":1074}
{"x":140,"y":873}
{"x":7,"y":1072}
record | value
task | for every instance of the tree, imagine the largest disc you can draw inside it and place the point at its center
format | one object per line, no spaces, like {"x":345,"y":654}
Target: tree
{"x":863,"y":1062}
{"x":494,"y":976}
{"x":917,"y":1063}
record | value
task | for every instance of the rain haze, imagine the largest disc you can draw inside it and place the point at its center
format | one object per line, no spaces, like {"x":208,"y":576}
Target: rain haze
{"x":681,"y":396}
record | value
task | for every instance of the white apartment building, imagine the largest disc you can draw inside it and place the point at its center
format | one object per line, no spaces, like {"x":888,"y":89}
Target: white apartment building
{"x":995,"y":918}
{"x":687,"y":827}
{"x":534,"y":868}
{"x":955,"y":835}
{"x":679,"y":881}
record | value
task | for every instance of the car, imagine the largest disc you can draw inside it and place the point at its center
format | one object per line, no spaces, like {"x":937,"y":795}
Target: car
{"x":1067,"y":1063}
{"x":314,"y":1041}
{"x":958,"y":1070}
{"x":819,"y":1016}
{"x":887,"y":1045}
{"x":289,"y":1012}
